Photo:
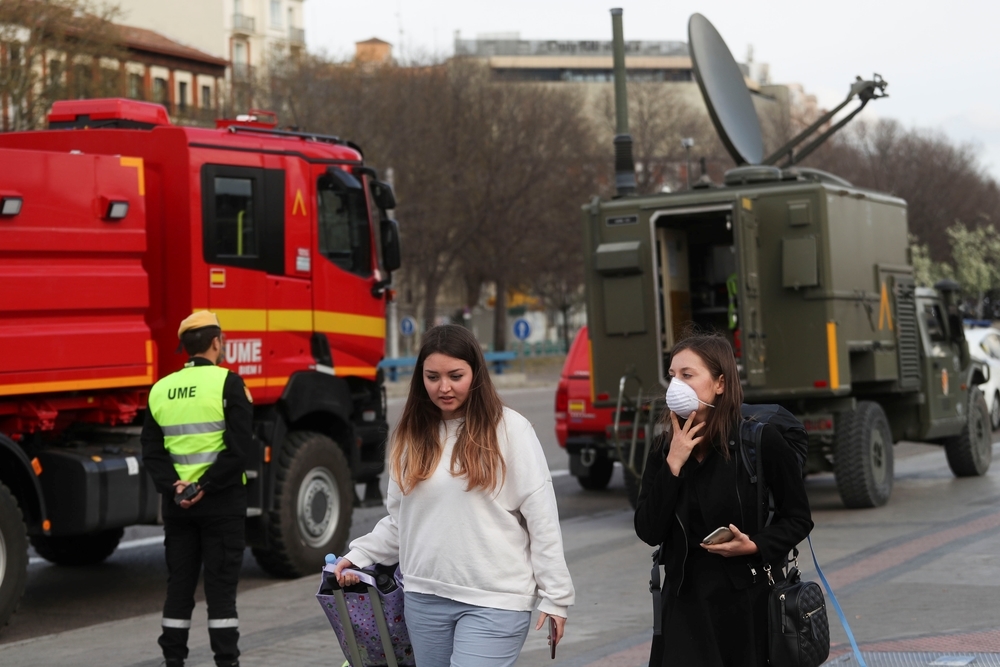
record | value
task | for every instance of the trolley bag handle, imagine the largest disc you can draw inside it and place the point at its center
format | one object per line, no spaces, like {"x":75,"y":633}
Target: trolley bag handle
{"x":376,"y":600}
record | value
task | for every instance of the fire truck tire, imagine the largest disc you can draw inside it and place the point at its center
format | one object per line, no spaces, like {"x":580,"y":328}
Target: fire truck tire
{"x":78,"y":549}
{"x":13,"y":555}
{"x":971,"y":451}
{"x":631,"y":486}
{"x":863,"y":456}
{"x":598,"y":474}
{"x":313,"y":501}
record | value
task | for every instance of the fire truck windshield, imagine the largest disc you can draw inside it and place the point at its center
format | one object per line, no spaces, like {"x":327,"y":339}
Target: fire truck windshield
{"x":344,"y":234}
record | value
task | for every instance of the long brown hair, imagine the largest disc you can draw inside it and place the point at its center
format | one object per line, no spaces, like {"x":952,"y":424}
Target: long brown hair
{"x":717,"y":354}
{"x":416,"y":448}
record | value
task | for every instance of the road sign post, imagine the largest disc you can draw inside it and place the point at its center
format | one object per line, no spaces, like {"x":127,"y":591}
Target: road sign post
{"x":522,"y":329}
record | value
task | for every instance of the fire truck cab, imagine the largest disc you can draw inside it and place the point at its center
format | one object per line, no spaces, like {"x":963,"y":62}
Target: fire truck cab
{"x":117,"y":224}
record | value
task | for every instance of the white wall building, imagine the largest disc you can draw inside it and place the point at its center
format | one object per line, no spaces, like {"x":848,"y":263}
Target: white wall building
{"x":245,"y":32}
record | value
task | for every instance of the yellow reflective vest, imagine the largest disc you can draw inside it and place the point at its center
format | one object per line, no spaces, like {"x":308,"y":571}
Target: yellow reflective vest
{"x":188,"y":406}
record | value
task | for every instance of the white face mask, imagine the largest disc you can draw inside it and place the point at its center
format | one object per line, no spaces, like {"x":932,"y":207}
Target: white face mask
{"x":682,"y":399}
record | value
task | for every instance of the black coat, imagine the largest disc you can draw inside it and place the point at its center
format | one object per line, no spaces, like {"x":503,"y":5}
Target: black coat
{"x":714,"y":608}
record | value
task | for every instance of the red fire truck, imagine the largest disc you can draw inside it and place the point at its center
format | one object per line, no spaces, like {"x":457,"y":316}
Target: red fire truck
{"x":114,"y":226}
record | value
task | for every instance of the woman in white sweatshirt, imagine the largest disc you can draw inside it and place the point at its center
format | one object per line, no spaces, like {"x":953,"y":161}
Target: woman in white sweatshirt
{"x":472,"y":515}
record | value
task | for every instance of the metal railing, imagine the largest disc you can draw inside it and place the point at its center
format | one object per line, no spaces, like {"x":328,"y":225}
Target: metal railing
{"x":296,"y":35}
{"x":243,"y":24}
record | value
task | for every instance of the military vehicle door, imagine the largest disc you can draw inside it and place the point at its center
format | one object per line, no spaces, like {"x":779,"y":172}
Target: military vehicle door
{"x":941,"y":363}
{"x":751,"y":324}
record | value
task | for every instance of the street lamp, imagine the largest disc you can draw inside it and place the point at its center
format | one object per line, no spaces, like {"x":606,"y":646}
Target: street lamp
{"x":687,"y":143}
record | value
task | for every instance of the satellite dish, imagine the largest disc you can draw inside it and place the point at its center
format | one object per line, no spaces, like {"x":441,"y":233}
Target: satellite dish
{"x":725,"y":92}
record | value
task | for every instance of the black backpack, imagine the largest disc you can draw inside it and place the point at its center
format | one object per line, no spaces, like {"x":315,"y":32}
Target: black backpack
{"x":751,"y":428}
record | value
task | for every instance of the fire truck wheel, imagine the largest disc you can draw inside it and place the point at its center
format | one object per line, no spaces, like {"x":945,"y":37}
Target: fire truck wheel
{"x":598,"y":474}
{"x":78,"y":549}
{"x":862,"y":456}
{"x":13,"y":555}
{"x":631,"y":486}
{"x":313,"y":500}
{"x":970,"y":452}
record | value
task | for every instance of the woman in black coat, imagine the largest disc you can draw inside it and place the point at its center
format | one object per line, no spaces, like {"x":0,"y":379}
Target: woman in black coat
{"x":715,"y":596}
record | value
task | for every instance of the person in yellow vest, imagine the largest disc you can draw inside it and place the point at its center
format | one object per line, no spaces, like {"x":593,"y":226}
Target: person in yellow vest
{"x":197,"y":428}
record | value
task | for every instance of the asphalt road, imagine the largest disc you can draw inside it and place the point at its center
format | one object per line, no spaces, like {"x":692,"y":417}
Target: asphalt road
{"x":921,"y":573}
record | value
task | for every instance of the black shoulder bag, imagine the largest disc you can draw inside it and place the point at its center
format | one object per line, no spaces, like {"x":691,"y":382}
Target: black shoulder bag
{"x":797,"y":625}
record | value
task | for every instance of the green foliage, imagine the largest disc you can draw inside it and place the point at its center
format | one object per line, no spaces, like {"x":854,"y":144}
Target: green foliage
{"x":977,"y":260}
{"x":926,"y":271}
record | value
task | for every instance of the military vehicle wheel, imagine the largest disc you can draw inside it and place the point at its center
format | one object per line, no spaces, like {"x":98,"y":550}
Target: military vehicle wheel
{"x":970,"y":452}
{"x":631,"y":487}
{"x":13,"y":555}
{"x":313,"y":501}
{"x":76,"y":550}
{"x":995,"y":412}
{"x":598,"y":474}
{"x":862,"y":456}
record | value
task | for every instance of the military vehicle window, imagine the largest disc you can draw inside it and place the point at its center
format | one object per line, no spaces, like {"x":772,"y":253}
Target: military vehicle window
{"x":934,"y":323}
{"x":235,"y":231}
{"x":342,"y":216}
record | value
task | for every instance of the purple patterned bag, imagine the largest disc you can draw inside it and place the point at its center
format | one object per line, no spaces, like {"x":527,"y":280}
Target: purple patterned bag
{"x":375,"y":635}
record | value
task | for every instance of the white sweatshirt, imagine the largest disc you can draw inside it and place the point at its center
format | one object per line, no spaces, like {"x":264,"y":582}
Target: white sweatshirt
{"x":501,"y":549}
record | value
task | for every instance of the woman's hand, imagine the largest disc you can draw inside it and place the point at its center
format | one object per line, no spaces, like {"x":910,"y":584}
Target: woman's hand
{"x":560,"y":627}
{"x":344,"y":579}
{"x":682,"y":442}
{"x":740,"y":545}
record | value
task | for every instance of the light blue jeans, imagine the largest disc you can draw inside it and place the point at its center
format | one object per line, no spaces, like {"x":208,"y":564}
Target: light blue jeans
{"x":445,"y":633}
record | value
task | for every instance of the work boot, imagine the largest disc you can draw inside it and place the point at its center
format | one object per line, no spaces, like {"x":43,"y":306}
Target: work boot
{"x":227,"y":663}
{"x":173,"y":663}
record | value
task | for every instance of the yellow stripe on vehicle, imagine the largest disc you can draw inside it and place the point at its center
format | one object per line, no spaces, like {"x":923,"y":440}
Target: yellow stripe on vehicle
{"x":301,"y":320}
{"x":289,"y":320}
{"x":77,"y":385}
{"x":242,"y":320}
{"x":136,"y":162}
{"x":349,"y":323}
{"x":831,"y":351}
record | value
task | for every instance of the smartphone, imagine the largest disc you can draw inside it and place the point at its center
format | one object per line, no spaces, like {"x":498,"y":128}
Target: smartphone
{"x":552,"y":638}
{"x":718,"y":536}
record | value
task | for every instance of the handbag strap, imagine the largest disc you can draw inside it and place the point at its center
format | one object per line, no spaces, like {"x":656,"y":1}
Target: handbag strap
{"x":836,"y":605}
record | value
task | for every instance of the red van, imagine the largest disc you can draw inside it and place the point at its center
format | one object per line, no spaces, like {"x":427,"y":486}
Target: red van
{"x":580,"y":427}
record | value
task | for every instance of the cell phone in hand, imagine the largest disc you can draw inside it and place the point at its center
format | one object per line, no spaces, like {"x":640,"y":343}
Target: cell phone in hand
{"x":719,"y":536}
{"x":189,"y":492}
{"x":552,"y":638}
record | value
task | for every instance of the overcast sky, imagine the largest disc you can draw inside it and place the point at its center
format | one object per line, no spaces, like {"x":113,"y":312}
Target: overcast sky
{"x":941,"y":59}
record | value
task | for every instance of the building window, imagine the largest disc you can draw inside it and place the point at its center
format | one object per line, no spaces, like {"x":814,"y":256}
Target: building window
{"x":239,"y":53}
{"x":182,"y":95}
{"x":206,"y":97}
{"x":160,"y":90}
{"x":276,"y":13}
{"x":56,"y":73}
{"x":135,"y":86}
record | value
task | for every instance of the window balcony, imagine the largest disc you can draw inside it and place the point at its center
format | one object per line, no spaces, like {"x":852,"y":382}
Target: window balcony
{"x":297,"y":36}
{"x":243,"y":24}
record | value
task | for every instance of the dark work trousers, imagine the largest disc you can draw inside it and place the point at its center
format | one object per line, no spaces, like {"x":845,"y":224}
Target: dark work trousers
{"x":217,"y":542}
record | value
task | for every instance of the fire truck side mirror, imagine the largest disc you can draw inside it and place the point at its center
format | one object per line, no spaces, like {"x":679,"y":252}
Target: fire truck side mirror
{"x":391,"y":251}
{"x":383,"y":195}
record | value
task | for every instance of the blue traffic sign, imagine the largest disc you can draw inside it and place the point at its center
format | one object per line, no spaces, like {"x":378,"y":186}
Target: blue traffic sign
{"x":522,"y":328}
{"x":407,"y":326}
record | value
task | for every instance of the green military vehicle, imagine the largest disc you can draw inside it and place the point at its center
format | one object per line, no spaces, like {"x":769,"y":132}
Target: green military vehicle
{"x":808,"y":276}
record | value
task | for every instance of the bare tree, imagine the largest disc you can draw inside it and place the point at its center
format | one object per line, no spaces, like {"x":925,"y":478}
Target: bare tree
{"x":942,"y":182}
{"x":52,"y":50}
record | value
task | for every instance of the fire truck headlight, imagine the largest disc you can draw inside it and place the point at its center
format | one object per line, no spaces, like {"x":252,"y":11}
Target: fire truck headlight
{"x":10,"y":205}
{"x":117,"y":210}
